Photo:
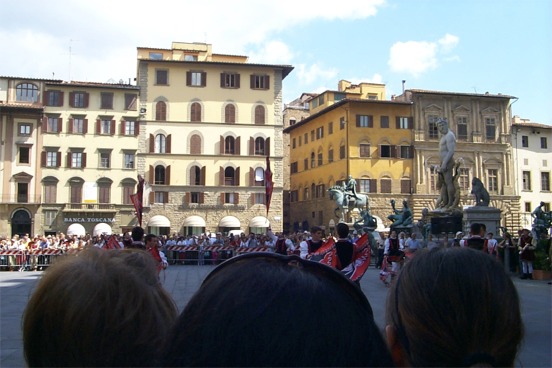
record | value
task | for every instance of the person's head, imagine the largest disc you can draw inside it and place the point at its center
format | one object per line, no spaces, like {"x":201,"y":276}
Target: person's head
{"x":413,"y":236}
{"x":490,"y":235}
{"x":137,"y":233}
{"x":483,"y":229}
{"x":459,"y":235}
{"x":475,"y":228}
{"x":393,"y":234}
{"x":151,"y":240}
{"x":100,"y":308}
{"x":453,"y":307}
{"x":263,"y":318}
{"x":316,"y":233}
{"x":342,"y":230}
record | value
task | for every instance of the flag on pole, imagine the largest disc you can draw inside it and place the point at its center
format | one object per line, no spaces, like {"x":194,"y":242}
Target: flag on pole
{"x":269,"y":184}
{"x":112,"y":243}
{"x":137,"y":199}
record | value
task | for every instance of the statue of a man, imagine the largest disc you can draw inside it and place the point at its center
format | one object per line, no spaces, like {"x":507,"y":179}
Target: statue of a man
{"x":349,"y":188}
{"x":447,"y":146}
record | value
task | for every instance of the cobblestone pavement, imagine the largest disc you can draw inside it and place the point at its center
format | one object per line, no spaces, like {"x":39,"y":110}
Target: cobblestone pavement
{"x":183,"y":280}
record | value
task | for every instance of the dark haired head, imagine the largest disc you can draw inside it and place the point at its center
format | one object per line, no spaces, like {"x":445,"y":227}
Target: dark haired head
{"x":276,"y":311}
{"x":475,"y":228}
{"x":342,"y":230}
{"x":453,"y":307}
{"x":137,"y":233}
{"x":315,"y":229}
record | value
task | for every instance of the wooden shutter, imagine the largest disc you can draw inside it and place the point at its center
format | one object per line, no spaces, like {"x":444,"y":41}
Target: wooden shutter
{"x":112,"y":128}
{"x":411,"y":123}
{"x":122,"y":127}
{"x":358,"y":121}
{"x":222,"y":80}
{"x":70,"y":125}
{"x":151,"y":174}
{"x":72,"y":99}
{"x":83,"y":160}
{"x":252,"y":199}
{"x":45,"y":124}
{"x":58,"y":159}
{"x":222,"y":146}
{"x":394,"y":151}
{"x":236,"y":198}
{"x":237,"y":81}
{"x":98,"y":126}
{"x":267,"y":146}
{"x":85,"y":126}
{"x":203,"y":79}
{"x":136,"y":128}
{"x":237,"y":146}
{"x":86,"y":99}
{"x":69,"y":159}
{"x":60,"y":121}
{"x":43,"y":158}
{"x":168,"y":144}
{"x":411,"y":152}
{"x":221,"y":176}
{"x":267,"y":82}
{"x":201,"y":197}
{"x":376,"y":152}
{"x":252,"y":81}
{"x":370,"y":121}
{"x":397,"y":122}
{"x":60,"y":98}
{"x":187,"y":197}
{"x":151,"y":197}
{"x":45,"y":98}
{"x":251,"y":146}
{"x":237,"y":176}
{"x":168,"y":175}
{"x":251,"y":176}
{"x":188,"y":78}
{"x":222,"y":198}
{"x":151,"y":143}
{"x":373,"y":185}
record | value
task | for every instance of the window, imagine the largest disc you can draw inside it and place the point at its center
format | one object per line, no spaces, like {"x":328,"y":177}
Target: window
{"x":128,"y":190}
{"x":293,"y":167}
{"x":195,"y":197}
{"x":306,"y":138}
{"x":306,"y":194}
{"x":51,"y":159}
{"x":330,"y":127}
{"x":292,"y":121}
{"x":190,"y":57}
{"x":364,"y":121}
{"x":229,"y":145}
{"x":106,"y":100}
{"x":196,"y":79}
{"x":77,"y":125}
{"x":364,"y":150}
{"x":544,"y":143}
{"x":339,"y":96}
{"x":312,"y":135}
{"x":196,"y":176}
{"x":464,"y":179}
{"x":26,"y":92}
{"x":526,"y":180}
{"x":490,"y":129}
{"x":405,"y":152}
{"x":161,"y":77}
{"x":320,"y":159}
{"x":342,"y":152}
{"x":24,"y":155}
{"x":230,"y":176}
{"x":159,"y":177}
{"x":259,"y":177}
{"x":160,"y":111}
{"x":230,"y":114}
{"x":53,"y":98}
{"x":160,"y":145}
{"x":330,"y":155}
{"x":128,"y":158}
{"x":319,"y":132}
{"x":104,"y":191}
{"x":50,"y":191}
{"x":492,"y":177}
{"x":130,"y":101}
{"x":24,"y":129}
{"x":406,"y":186}
{"x":528,"y":207}
{"x":230,"y":198}
{"x":156,"y":56}
{"x":259,"y":115}
{"x":386,"y":151}
{"x":384,"y":121}
{"x":105,"y":126}
{"x":260,"y":198}
{"x":259,"y":146}
{"x":22,"y":192}
{"x":341,"y":123}
{"x":195,"y":145}
{"x":105,"y":160}
{"x":76,"y":160}
{"x":306,"y":164}
{"x":260,"y":81}
{"x":294,"y":196}
{"x":54,"y":125}
{"x":462,"y":128}
{"x":76,"y":191}
{"x":78,"y":99}
{"x":300,"y":141}
{"x":313,"y":165}
{"x":545,"y":181}
{"x":130,"y":128}
{"x":433,"y":132}
{"x":433,"y":175}
{"x":161,"y":197}
{"x":229,"y":80}
{"x":364,"y":185}
{"x":195,"y":112}
{"x":402,"y":122}
{"x":385,"y":185}
{"x":293,"y":143}
{"x":524,"y":141}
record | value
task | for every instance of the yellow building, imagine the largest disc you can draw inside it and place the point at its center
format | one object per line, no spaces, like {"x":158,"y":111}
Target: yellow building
{"x":354,"y":132}
{"x":209,"y":122}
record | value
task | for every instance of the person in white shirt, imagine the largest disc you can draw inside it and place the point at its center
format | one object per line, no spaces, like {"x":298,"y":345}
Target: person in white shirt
{"x":492,"y":245}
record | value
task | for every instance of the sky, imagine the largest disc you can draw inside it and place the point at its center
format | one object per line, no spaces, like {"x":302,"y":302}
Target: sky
{"x":464,"y":46}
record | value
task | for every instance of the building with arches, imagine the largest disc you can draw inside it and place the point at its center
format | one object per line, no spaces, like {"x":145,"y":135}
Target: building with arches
{"x":209,"y":123}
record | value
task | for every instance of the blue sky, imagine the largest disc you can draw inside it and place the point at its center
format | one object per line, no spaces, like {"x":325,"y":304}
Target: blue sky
{"x":468,"y":46}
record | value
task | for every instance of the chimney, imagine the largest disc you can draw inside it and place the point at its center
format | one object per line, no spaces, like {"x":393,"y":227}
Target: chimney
{"x":403,"y":82}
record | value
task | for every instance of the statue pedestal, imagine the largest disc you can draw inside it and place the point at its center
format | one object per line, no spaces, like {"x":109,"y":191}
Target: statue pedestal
{"x":490,"y":216}
{"x":406,"y":229}
{"x":445,"y":222}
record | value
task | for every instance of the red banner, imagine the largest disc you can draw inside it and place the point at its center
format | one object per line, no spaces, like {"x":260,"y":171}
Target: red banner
{"x":269,"y":184}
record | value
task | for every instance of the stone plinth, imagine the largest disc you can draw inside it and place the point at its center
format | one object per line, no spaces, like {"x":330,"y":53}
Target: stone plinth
{"x":447,"y":222}
{"x":406,"y":229}
{"x":490,"y":216}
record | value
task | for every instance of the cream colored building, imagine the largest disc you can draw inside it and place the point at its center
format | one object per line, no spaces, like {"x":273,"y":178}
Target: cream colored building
{"x":531,"y":144}
{"x":209,"y":122}
{"x":66,"y":156}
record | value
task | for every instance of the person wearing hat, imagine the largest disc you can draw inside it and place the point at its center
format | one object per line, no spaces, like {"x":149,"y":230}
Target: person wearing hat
{"x":456,"y":241}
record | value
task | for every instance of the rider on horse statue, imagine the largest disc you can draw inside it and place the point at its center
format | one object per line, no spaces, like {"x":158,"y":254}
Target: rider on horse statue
{"x":349,"y":189}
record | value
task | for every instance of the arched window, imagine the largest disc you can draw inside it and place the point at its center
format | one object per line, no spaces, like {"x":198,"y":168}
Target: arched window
{"x":259,"y":146}
{"x":230,"y":114}
{"x":104,"y":191}
{"x":160,"y":144}
{"x":320,"y":158}
{"x":195,"y":175}
{"x":195,"y":112}
{"x":259,"y":115}
{"x":160,"y":111}
{"x":26,"y":92}
{"x":313,"y":190}
{"x":312,"y":165}
{"x":259,"y":176}
{"x":159,"y":175}
{"x":229,"y":176}
{"x":195,"y":145}
{"x":229,"y":145}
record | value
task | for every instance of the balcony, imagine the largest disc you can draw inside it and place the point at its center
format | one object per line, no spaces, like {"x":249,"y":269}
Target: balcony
{"x":20,"y":198}
{"x":80,"y":207}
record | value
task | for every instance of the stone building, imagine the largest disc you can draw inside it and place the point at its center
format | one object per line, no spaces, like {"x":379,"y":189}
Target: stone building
{"x":209,"y":123}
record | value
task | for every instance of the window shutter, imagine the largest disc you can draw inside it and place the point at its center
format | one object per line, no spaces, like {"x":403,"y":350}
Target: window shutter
{"x":251,"y":81}
{"x":168,"y":175}
{"x":393,"y":151}
{"x":70,"y":125}
{"x":43,"y":158}
{"x":122,"y":128}
{"x":370,"y":121}
{"x":58,"y":159}
{"x":267,"y":146}
{"x":222,"y":78}
{"x":98,"y":126}
{"x":112,"y":128}
{"x":201,"y":197}
{"x":252,"y":199}
{"x":151,"y":173}
{"x":397,"y":122}
{"x":411,"y":152}
{"x":236,"y":198}
{"x":222,"y":147}
{"x":357,"y":186}
{"x":222,"y":198}
{"x":377,"y":152}
{"x":237,"y":146}
{"x":68,"y":159}
{"x":85,"y":126}
{"x":373,"y":185}
{"x":72,"y":99}
{"x":136,"y":128}
{"x":187,"y":197}
{"x":237,"y":176}
{"x":411,"y":123}
{"x":45,"y":124}
{"x":60,"y":121}
{"x":168,"y":144}
{"x":60,"y":98}
{"x":151,"y":144}
{"x":251,"y":146}
{"x":237,"y":80}
{"x":203,"y":79}
{"x":45,"y":98}
{"x":83,"y":160}
{"x":358,"y":121}
{"x":267,"y":82}
{"x":151,"y":197}
{"x":86,"y":99}
{"x":221,"y":176}
{"x":251,"y":176}
{"x":202,"y":181}
{"x":188,"y":78}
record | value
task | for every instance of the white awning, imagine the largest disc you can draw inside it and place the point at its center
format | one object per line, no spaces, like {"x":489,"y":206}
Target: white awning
{"x":259,"y":221}
{"x":229,"y":221}
{"x":194,"y":221}
{"x":101,"y":228}
{"x":380,"y":226}
{"x":76,"y":229}
{"x":159,"y":221}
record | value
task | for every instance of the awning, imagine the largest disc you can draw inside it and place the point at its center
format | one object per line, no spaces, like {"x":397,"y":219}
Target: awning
{"x":259,"y":221}
{"x":102,"y":228}
{"x":380,"y":226}
{"x":229,"y":221}
{"x":76,"y":229}
{"x":159,"y":221}
{"x":194,"y":221}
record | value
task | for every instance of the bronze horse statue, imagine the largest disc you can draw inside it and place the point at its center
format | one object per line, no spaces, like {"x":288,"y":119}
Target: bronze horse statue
{"x":344,"y":203}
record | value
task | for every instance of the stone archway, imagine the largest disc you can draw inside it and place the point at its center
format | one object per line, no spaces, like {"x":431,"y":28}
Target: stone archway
{"x":21,"y":222}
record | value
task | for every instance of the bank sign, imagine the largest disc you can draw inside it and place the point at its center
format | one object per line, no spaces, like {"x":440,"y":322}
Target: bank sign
{"x":88,"y":219}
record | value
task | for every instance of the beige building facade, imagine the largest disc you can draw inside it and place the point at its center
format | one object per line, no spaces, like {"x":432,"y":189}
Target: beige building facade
{"x":209,"y":123}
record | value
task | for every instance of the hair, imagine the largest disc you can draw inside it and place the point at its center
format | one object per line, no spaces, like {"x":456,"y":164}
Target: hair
{"x":148,"y":237}
{"x":315,"y":229}
{"x":475,"y":228}
{"x":277,"y":311}
{"x":99,"y":308}
{"x":137,"y":233}
{"x":455,"y":307}
{"x":342,"y":230}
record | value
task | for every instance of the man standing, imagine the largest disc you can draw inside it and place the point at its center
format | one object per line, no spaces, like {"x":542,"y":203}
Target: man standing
{"x":413,"y":244}
{"x":492,"y":245}
{"x":152,"y":246}
{"x":311,"y":245}
{"x":447,"y":146}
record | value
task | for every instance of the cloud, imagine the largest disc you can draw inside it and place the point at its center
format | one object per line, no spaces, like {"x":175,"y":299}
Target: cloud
{"x":418,"y":57}
{"x":314,"y":73}
{"x":271,"y":52}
